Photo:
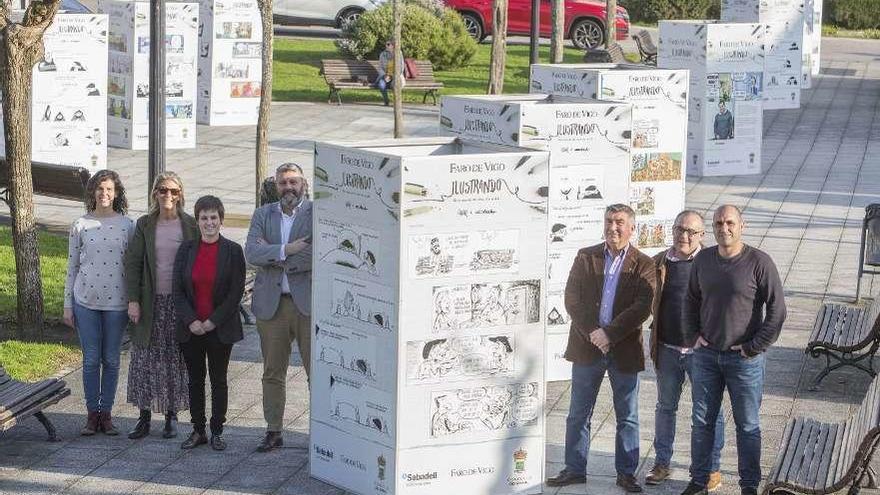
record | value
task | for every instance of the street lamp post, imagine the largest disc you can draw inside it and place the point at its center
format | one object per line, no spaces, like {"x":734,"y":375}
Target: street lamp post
{"x":536,"y":32}
{"x":157,"y":92}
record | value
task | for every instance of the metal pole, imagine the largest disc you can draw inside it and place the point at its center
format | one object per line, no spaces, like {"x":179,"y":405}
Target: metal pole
{"x":536,"y":32}
{"x":157,"y":91}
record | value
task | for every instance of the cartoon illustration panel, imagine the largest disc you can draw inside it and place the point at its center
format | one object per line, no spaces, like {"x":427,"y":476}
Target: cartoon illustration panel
{"x":350,"y":246}
{"x":464,"y":357}
{"x":484,"y":305}
{"x":464,"y":253}
{"x":363,"y":303}
{"x":491,"y":408}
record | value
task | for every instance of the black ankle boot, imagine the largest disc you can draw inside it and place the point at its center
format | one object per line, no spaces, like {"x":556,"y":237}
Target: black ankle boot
{"x":170,"y":430}
{"x":142,"y":427}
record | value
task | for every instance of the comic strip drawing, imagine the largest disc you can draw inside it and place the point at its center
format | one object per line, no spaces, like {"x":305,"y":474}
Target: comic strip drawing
{"x":654,"y":234}
{"x":484,"y":409}
{"x":656,"y":167}
{"x":350,"y":246}
{"x":486,"y":305}
{"x":462,"y":358}
{"x":556,"y":314}
{"x":358,"y":404}
{"x":464,"y":253}
{"x":366,"y":303}
{"x":642,"y":200}
{"x":356,"y":364}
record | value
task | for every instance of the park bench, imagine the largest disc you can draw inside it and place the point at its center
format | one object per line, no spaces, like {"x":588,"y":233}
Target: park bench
{"x":646,"y":46}
{"x":19,"y":400}
{"x":57,"y":181}
{"x":846,"y":334}
{"x":362,"y":74}
{"x":612,"y":55}
{"x":818,"y":458}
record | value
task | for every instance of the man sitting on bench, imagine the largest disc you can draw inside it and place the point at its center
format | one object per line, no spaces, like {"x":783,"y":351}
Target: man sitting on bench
{"x":388,"y":73}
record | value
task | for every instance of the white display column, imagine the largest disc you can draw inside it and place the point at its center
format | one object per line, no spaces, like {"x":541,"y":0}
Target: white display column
{"x":129,"y":80}
{"x":812,"y":41}
{"x":659,"y":99}
{"x":589,"y":149}
{"x":230,"y":63}
{"x":725,"y":116}
{"x":69,"y":94}
{"x":427,"y":296}
{"x":783,"y":22}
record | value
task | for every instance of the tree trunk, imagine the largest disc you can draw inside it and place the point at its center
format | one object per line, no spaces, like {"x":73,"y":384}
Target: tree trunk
{"x":21,"y":46}
{"x":499,"y":47}
{"x":556,"y":38}
{"x":262,"y":163}
{"x":397,"y":90}
{"x":610,"y":22}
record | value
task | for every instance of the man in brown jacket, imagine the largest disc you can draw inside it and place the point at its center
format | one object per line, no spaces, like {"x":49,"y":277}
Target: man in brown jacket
{"x":608,"y":296}
{"x":672,"y":347}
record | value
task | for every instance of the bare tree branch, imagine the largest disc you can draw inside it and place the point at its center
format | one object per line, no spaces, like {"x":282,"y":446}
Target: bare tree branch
{"x":40,"y":13}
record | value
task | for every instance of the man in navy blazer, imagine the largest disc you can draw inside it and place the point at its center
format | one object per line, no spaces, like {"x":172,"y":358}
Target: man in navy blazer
{"x":279,"y":244}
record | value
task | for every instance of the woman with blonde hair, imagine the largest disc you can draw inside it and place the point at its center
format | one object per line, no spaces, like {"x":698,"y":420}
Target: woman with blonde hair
{"x":94,"y":293}
{"x":157,"y":378}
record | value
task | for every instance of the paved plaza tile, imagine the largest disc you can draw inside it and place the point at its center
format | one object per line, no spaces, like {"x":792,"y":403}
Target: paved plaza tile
{"x":821,"y":167}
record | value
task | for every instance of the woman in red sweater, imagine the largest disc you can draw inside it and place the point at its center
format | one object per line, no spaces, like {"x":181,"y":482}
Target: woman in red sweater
{"x":208,"y":285}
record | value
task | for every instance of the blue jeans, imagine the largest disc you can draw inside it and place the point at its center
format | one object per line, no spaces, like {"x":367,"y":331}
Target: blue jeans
{"x":713,"y":371}
{"x":585,"y":383}
{"x":672,"y":366}
{"x":384,"y":86}
{"x":100,"y":336}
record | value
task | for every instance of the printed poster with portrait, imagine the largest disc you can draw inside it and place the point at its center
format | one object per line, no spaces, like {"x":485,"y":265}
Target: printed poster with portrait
{"x":69,"y":94}
{"x":725,"y":110}
{"x":428,"y":305}
{"x":784,"y":45}
{"x":230,"y":63}
{"x":129,"y":73}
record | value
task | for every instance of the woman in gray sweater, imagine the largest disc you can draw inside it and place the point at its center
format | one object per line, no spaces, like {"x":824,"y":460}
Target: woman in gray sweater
{"x":95,"y":302}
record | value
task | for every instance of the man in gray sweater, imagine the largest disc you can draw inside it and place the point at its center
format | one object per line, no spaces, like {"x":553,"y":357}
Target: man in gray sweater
{"x":735,"y":306}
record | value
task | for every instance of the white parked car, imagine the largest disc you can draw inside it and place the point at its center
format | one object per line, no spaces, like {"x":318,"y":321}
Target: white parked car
{"x":336,"y":13}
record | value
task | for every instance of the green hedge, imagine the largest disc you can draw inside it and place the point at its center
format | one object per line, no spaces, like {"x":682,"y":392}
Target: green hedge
{"x":438,"y":35}
{"x":853,"y":14}
{"x":652,"y":11}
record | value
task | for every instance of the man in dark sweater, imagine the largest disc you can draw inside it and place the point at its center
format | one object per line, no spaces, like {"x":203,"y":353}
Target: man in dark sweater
{"x":736,"y":307}
{"x":672,"y":344}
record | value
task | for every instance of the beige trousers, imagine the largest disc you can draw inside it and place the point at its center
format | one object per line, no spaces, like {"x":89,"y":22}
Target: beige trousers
{"x":276,"y":337}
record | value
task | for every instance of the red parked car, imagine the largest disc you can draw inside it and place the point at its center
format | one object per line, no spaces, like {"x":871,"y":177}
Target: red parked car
{"x":584,"y":19}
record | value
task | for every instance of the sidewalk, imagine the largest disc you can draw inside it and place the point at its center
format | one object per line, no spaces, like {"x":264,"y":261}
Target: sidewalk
{"x":822,"y":166}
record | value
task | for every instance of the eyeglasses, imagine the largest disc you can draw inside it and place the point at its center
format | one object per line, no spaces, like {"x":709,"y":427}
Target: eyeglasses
{"x":690,"y":232}
{"x":290,"y":182}
{"x":167,"y":190}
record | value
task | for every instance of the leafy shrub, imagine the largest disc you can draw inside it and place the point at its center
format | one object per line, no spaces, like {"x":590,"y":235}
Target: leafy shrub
{"x":652,"y":11}
{"x":854,"y":14}
{"x":428,"y":33}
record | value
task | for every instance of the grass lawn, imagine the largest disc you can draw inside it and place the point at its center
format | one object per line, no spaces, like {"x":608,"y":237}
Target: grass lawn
{"x":32,"y":361}
{"x":53,"y":265}
{"x":297,"y":62}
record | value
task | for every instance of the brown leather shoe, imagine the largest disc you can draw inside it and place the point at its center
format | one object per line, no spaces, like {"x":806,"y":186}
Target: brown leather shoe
{"x":629,"y":483}
{"x":714,"y":481}
{"x":659,"y":473}
{"x":565,"y":478}
{"x":273,"y":440}
{"x":91,"y":425}
{"x":106,"y":424}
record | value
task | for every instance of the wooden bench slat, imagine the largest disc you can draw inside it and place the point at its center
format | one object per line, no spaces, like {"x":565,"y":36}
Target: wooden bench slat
{"x":789,"y":438}
{"x":819,"y":323}
{"x":794,"y":456}
{"x":819,"y":453}
{"x":827,"y":331}
{"x":832,"y":442}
